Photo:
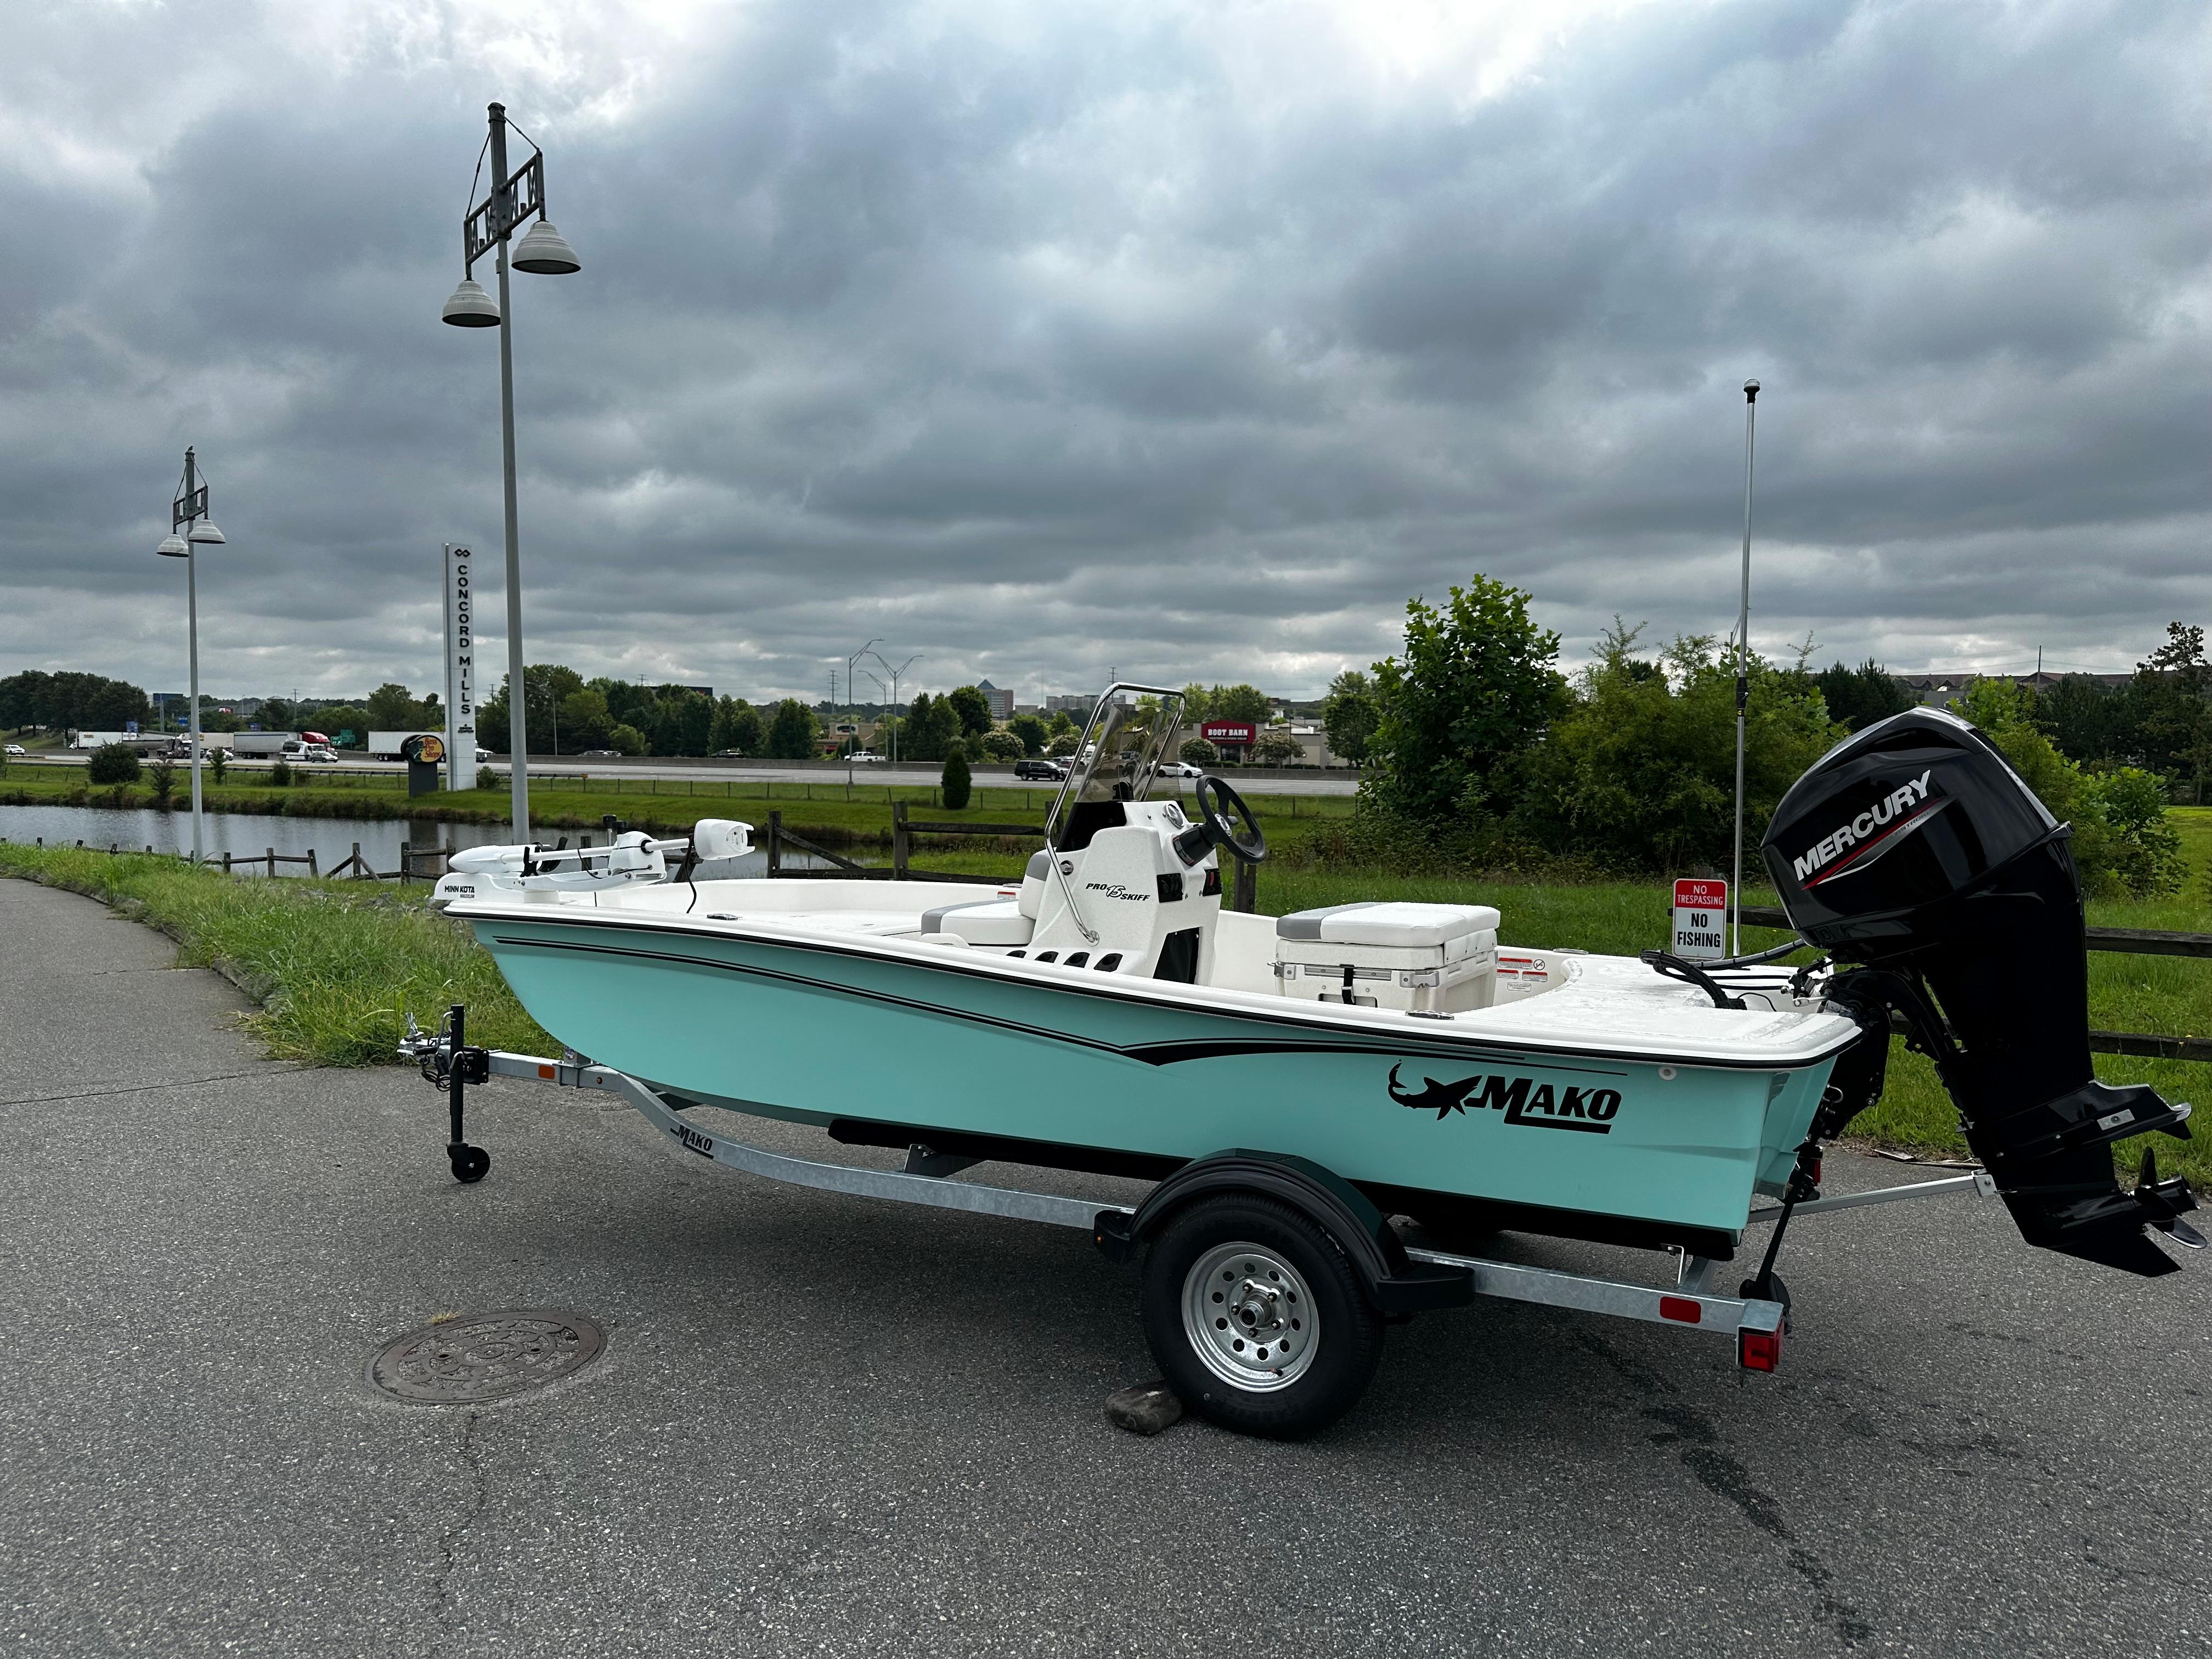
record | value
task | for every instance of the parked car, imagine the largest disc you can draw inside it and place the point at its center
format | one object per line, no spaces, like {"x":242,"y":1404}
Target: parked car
{"x":1181,"y":770}
{"x":1040,"y":771}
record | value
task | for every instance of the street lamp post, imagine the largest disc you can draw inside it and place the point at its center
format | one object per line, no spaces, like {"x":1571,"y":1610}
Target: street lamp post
{"x":852,"y":715}
{"x":487,"y":227}
{"x":189,"y":513}
{"x":894,"y":673}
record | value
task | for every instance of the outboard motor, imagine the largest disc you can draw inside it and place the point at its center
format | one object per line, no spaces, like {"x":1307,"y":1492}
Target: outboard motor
{"x":1914,"y":848}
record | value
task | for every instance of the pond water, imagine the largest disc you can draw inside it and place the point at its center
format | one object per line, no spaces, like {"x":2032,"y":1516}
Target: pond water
{"x":244,"y":836}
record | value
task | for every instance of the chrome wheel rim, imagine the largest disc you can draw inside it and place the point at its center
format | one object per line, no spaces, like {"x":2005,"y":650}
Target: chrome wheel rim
{"x":1250,"y":1317}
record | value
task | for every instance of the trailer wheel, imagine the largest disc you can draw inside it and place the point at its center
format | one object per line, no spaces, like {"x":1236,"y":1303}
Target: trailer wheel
{"x":468,"y":1162}
{"x":1256,"y":1317}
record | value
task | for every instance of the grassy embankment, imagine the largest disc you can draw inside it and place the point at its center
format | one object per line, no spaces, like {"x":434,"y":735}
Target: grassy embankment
{"x":337,"y":966}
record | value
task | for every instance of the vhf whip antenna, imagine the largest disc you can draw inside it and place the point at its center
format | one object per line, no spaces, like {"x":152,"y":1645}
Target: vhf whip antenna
{"x":1742,"y":668}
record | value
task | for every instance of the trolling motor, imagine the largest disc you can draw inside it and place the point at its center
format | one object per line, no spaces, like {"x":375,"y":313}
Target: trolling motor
{"x":630,"y":855}
{"x":1914,"y":850}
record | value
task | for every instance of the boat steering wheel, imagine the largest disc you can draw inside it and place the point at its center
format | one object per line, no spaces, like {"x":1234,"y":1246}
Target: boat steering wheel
{"x":1221,"y":829}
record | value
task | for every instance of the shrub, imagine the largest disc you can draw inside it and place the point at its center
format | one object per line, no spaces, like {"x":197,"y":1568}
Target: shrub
{"x":280,"y":773}
{"x":216,"y":761}
{"x":1062,"y":746}
{"x":114,"y":762}
{"x":1199,"y":752}
{"x":487,"y":778}
{"x":954,"y":781}
{"x":626,"y":739}
{"x":1278,"y":750}
{"x":164,"y":777}
{"x":1002,"y":746}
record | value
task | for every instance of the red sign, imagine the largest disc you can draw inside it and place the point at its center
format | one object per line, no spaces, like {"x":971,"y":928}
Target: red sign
{"x":1241,"y":732}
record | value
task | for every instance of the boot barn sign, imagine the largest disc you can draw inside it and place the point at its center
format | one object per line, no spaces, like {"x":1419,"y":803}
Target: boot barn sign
{"x":460,"y":669}
{"x":1229,"y":734}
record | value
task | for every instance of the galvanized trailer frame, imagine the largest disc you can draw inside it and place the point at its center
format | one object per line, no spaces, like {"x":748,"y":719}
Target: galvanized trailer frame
{"x":1691,"y":1302}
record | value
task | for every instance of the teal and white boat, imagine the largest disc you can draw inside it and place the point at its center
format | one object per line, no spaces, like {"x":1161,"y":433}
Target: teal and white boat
{"x":1107,"y":1013}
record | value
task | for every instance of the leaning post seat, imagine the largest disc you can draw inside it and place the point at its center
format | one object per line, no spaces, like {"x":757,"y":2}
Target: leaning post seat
{"x":1429,"y":957}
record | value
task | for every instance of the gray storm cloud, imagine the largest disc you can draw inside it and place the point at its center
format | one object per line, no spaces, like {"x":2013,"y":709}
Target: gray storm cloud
{"x":1040,"y":340}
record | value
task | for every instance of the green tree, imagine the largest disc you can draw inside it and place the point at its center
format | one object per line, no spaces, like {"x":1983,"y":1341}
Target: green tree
{"x":972,"y":708}
{"x":1239,"y":703}
{"x":112,"y":763}
{"x":1063,"y":745}
{"x":932,"y":724}
{"x":163,"y":777}
{"x":2172,"y":709}
{"x":625,"y":738}
{"x":737,"y":725}
{"x":1473,"y":692}
{"x":1197,"y":704}
{"x":1033,"y":732}
{"x":1061,"y":725}
{"x":1349,"y":715}
{"x":2120,"y":844}
{"x":1857,"y":697}
{"x":390,"y":710}
{"x":1639,"y":771}
{"x":1002,"y":746}
{"x":585,"y":721}
{"x":1278,"y":749}
{"x":791,"y":733}
{"x":1199,"y":752}
{"x":954,"y":780}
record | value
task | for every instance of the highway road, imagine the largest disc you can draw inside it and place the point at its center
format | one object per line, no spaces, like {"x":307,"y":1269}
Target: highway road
{"x":836,"y":1427}
{"x":1321,"y":783}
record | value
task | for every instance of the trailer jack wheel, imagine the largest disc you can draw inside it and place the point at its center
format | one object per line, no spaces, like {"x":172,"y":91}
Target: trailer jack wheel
{"x":468,"y":1162}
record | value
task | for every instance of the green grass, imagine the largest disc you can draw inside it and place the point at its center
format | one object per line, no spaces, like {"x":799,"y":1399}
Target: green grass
{"x":337,"y":967}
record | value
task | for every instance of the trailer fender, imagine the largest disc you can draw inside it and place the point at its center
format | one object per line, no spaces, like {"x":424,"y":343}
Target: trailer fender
{"x":1395,"y":1283}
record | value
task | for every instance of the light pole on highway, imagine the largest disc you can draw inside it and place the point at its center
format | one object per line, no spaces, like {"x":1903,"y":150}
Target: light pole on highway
{"x":189,"y":513}
{"x":485,"y":226}
{"x":851,"y":714}
{"x":894,"y":673}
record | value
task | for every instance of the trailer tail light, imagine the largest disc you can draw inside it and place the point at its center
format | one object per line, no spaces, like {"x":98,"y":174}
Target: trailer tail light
{"x":1681,"y":1309}
{"x":1759,"y":1351}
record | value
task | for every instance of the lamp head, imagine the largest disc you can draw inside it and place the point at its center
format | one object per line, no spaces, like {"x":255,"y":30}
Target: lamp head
{"x":545,"y":251}
{"x":470,"y":306}
{"x":204,"y":533}
{"x":174,"y":547}
{"x":1751,"y":392}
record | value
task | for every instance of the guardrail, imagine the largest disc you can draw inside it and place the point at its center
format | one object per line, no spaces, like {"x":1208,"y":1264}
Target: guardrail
{"x":2130,"y":941}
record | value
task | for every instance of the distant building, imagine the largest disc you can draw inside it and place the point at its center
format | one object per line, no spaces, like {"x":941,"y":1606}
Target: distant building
{"x":1081,"y":703}
{"x":1942,"y":689}
{"x":1002,"y":702}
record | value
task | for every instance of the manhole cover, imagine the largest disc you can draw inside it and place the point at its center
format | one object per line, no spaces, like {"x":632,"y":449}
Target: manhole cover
{"x":480,"y":1357}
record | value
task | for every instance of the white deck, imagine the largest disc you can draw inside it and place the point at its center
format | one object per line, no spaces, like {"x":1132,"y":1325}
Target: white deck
{"x":1548,"y":1000}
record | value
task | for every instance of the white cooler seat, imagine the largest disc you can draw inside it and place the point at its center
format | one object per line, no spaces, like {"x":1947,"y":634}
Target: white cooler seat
{"x":981,"y":921}
{"x":1433,"y":957}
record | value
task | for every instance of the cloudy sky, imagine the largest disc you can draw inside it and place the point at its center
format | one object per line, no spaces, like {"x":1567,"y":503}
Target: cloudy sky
{"x":1042,"y":338}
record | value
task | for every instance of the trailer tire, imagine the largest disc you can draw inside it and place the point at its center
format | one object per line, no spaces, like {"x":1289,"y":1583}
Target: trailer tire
{"x":1256,"y":1317}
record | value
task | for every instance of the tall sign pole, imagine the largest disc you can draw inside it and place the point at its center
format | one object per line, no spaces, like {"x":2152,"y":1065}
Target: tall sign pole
{"x":1742,"y":668}
{"x":183,"y":512}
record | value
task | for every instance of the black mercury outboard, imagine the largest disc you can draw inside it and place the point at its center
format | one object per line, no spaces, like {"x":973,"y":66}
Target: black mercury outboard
{"x":1914,"y":849}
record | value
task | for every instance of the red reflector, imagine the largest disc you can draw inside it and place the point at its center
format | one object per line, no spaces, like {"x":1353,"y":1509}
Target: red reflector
{"x":1680,"y":1308}
{"x":546,"y":1071}
{"x":1759,"y":1351}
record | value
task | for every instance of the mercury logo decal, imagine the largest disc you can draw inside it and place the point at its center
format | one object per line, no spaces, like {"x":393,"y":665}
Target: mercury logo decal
{"x":1872,"y":833}
{"x":1524,"y":1101}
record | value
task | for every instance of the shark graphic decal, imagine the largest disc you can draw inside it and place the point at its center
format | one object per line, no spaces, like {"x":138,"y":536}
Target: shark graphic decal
{"x":1525,"y":1103}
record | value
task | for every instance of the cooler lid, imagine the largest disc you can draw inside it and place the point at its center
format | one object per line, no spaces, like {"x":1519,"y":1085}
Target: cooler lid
{"x":1387,"y":922}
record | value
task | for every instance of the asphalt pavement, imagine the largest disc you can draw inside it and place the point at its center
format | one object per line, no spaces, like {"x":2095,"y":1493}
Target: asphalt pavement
{"x":828,"y":1426}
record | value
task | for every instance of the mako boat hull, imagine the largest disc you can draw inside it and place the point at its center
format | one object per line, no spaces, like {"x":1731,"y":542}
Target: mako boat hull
{"x":923,"y":1040}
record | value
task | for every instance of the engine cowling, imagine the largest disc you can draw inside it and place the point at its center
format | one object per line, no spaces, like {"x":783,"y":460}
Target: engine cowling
{"x":1915,"y":849}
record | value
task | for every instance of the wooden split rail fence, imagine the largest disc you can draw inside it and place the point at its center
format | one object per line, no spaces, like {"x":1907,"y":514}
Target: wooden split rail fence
{"x":352,"y":867}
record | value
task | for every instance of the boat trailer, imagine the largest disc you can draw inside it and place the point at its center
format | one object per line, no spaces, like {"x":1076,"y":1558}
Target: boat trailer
{"x":1757,"y":1315}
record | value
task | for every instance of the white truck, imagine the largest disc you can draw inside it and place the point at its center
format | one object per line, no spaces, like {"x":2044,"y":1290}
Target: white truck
{"x":277,"y":745}
{"x":385,"y":745}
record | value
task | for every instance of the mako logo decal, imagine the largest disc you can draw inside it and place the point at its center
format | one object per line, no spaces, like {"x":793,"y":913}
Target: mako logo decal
{"x":1869,"y":835}
{"x":693,"y":1141}
{"x":1524,"y":1101}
